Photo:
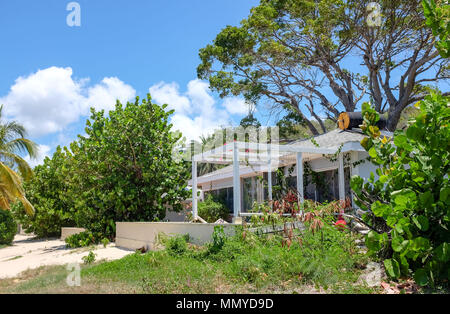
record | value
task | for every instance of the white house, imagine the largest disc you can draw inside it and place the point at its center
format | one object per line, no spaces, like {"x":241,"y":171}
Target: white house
{"x":238,"y":183}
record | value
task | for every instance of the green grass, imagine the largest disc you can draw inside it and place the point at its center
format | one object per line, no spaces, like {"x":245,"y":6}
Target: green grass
{"x":326,"y":263}
{"x":14,"y":258}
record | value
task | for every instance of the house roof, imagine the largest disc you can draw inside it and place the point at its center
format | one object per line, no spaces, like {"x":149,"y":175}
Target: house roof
{"x":332,"y":139}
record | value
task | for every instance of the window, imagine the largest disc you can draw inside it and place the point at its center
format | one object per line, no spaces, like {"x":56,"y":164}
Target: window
{"x":225,"y":196}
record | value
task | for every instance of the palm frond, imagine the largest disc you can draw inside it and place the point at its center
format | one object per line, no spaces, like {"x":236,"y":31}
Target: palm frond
{"x":11,"y":189}
{"x":23,"y":168}
{"x":21,"y":145}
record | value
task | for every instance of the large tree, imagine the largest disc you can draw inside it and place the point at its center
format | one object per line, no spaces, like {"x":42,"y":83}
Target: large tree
{"x":309,"y":57}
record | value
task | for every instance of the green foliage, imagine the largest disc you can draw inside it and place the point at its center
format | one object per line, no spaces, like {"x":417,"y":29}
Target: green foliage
{"x":81,"y":239}
{"x":124,"y":169}
{"x":317,"y":253}
{"x":218,"y":239}
{"x":438,"y":19}
{"x":8,"y":228}
{"x":211,"y":209}
{"x":243,"y":263}
{"x":249,"y":121}
{"x":48,"y":192}
{"x":89,"y":259}
{"x":177,"y":245}
{"x":105,"y":242}
{"x":319,"y":257}
{"x":408,"y":206}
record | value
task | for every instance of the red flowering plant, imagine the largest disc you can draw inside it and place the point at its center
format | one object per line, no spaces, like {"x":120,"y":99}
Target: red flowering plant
{"x":288,"y":212}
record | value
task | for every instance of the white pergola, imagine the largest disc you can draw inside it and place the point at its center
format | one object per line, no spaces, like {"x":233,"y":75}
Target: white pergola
{"x":270,"y":155}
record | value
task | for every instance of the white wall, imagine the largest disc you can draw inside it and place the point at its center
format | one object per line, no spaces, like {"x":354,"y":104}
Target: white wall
{"x":367,"y":167}
{"x":135,"y":235}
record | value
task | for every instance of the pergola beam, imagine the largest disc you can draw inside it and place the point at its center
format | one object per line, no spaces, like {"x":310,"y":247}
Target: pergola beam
{"x":225,"y":150}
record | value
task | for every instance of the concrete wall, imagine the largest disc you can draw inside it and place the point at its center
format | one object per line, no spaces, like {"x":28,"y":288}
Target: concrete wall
{"x":65,"y":232}
{"x":135,"y":235}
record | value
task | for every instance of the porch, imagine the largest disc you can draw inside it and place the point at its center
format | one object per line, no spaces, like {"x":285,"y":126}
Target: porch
{"x":248,"y":161}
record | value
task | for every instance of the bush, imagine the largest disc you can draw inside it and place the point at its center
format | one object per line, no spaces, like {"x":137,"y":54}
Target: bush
{"x":8,"y":228}
{"x":408,"y":205}
{"x":47,"y":191}
{"x":177,"y":245}
{"x":212,"y":210}
{"x":124,"y":168}
{"x":319,"y":258}
{"x":81,"y":239}
{"x":89,"y":259}
{"x":320,"y":254}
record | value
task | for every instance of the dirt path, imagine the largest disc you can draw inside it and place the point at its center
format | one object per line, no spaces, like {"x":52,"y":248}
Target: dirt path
{"x":27,"y":253}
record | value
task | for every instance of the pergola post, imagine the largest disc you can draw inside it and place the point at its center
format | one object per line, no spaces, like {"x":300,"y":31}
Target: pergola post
{"x":236,"y":182}
{"x":341,"y":177}
{"x":300,"y":177}
{"x":269,"y":174}
{"x":194,"y":190}
{"x":354,"y":171}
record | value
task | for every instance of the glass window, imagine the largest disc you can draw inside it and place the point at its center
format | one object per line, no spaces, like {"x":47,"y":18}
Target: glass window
{"x":249,"y":196}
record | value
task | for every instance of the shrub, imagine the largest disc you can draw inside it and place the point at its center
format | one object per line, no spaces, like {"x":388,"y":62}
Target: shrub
{"x":8,"y":228}
{"x":89,"y":259}
{"x":408,"y":205}
{"x":47,"y":191}
{"x":105,"y":242}
{"x":218,"y":238}
{"x":177,"y":245}
{"x":124,"y":169}
{"x":320,"y":253}
{"x":81,"y":239}
{"x":212,"y":210}
{"x":319,"y":258}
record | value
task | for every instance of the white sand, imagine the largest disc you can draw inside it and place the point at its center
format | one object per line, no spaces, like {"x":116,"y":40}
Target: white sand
{"x":26,"y":253}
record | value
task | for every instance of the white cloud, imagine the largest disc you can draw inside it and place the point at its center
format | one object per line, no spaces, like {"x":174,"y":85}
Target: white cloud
{"x":237,"y":105}
{"x":105,"y":94}
{"x":43,"y":151}
{"x":168,"y":93}
{"x":198,"y":92}
{"x":47,"y":101}
{"x":196,"y":111}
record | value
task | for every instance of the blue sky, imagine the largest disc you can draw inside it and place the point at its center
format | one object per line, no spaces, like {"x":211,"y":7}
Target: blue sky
{"x":51,"y":73}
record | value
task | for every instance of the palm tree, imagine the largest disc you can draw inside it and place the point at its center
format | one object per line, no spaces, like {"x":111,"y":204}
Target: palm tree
{"x":13,"y":168}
